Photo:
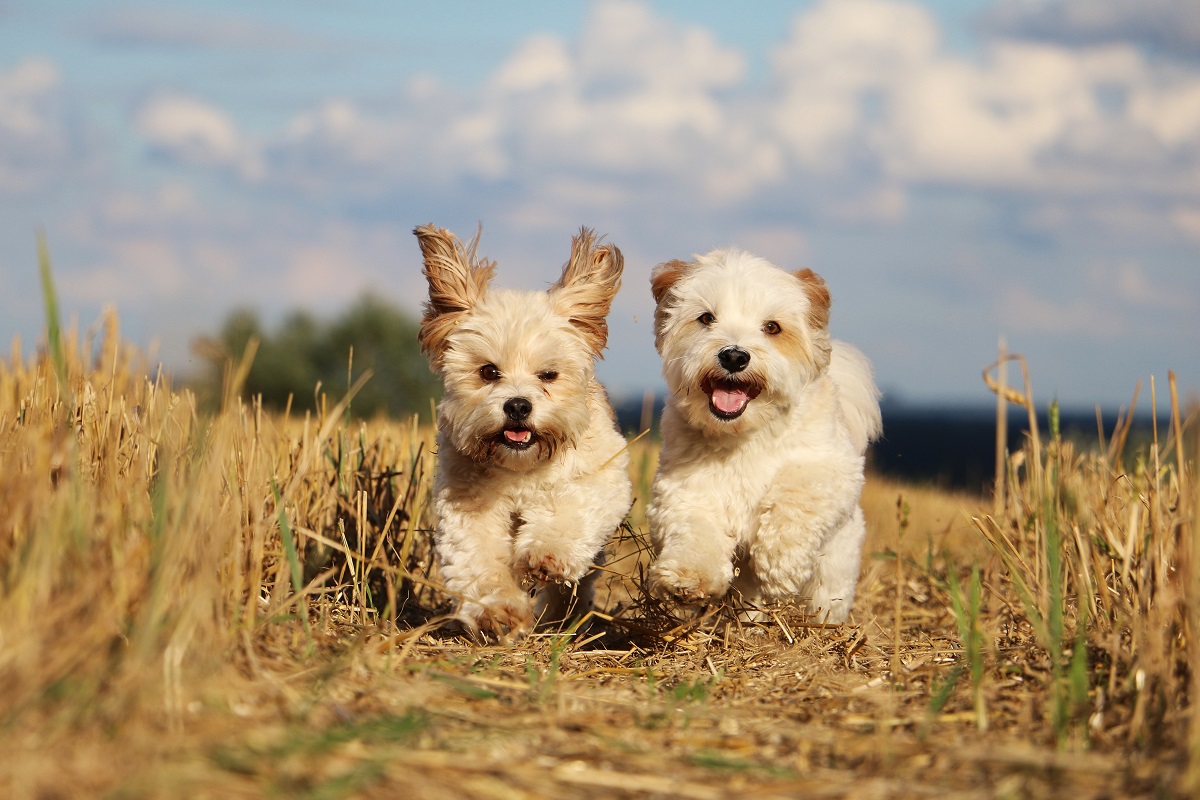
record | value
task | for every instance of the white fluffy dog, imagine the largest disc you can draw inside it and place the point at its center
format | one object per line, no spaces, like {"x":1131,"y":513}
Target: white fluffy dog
{"x":764,"y":433}
{"x":532,"y":473}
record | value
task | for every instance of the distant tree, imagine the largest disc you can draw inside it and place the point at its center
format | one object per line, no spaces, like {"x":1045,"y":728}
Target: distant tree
{"x":305,"y":352}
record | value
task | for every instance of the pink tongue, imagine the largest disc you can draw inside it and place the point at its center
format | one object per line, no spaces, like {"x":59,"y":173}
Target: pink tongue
{"x":729,"y":401}
{"x":517,"y":436}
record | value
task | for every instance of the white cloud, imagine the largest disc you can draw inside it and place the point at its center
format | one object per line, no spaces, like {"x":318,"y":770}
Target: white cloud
{"x":857,"y":44}
{"x":864,"y":84}
{"x":862,"y":93}
{"x":195,"y":132}
{"x":839,"y":58}
{"x":625,"y":40}
{"x":954,"y":121}
{"x":635,"y":92}
{"x":35,"y":144}
{"x":20,"y":90}
{"x":1170,"y":108}
{"x":431,"y":140}
{"x":339,"y":127}
{"x":541,"y":62}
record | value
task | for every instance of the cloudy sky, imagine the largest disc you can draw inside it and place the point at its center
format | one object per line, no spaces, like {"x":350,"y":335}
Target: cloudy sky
{"x":958,"y":170}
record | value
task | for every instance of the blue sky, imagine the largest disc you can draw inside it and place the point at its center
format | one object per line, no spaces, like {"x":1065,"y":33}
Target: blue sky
{"x":957,"y":171}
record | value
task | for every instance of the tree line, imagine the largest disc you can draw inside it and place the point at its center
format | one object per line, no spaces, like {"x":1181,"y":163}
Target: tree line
{"x":304,"y":357}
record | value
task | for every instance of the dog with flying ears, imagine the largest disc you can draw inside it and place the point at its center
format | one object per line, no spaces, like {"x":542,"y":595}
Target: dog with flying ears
{"x":532,"y":470}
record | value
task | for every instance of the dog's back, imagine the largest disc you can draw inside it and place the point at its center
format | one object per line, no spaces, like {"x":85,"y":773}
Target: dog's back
{"x":851,"y":372}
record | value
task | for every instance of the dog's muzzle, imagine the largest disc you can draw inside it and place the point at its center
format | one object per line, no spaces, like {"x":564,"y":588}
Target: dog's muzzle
{"x":515,"y":434}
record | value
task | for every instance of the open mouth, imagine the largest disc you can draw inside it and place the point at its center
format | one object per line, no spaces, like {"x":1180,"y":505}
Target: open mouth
{"x":517,"y":438}
{"x":727,"y":399}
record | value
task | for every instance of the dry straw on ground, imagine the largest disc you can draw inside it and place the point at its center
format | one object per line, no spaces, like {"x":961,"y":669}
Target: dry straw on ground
{"x":243,"y":604}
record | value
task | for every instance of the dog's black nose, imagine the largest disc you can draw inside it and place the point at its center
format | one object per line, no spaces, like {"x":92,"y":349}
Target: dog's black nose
{"x":518,"y":409}
{"x":733,"y":359}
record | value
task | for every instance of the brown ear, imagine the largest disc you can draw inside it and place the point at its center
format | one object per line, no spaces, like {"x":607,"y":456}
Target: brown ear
{"x":590,"y":280}
{"x":818,"y":298}
{"x":666,"y":275}
{"x":457,"y":282}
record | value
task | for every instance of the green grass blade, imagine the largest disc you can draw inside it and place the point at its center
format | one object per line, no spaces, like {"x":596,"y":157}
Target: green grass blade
{"x":289,"y":542}
{"x":296,"y":570}
{"x":54,"y":343}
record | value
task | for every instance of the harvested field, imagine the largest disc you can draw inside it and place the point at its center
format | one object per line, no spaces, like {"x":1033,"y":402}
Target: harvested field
{"x":244,"y":604}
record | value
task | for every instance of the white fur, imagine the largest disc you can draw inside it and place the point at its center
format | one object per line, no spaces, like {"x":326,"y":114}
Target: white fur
{"x":513,"y":518}
{"x":767,"y":503}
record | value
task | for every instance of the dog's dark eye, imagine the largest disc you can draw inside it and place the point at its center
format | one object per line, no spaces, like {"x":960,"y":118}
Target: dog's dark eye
{"x":549,"y":376}
{"x":707,"y":318}
{"x":489,"y":373}
{"x":771,"y":328}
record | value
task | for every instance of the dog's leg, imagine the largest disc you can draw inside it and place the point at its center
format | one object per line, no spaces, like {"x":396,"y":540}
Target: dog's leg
{"x":694,"y":564}
{"x":831,"y":590}
{"x":805,"y":508}
{"x":586,"y":515}
{"x":558,"y":539}
{"x":694,"y":553}
{"x":475,"y":554}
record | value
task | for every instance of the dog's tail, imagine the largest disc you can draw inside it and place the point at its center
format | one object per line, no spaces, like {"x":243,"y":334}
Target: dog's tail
{"x":851,"y":372}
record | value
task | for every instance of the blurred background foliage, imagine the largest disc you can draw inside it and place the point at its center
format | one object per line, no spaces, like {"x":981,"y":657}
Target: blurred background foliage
{"x":305,"y":357}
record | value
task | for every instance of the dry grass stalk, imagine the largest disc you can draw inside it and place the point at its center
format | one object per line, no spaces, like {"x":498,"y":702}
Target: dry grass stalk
{"x":1000,"y":485}
{"x":1090,"y":543}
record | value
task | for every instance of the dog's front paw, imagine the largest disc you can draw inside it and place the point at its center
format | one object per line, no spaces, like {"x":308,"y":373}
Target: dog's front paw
{"x":685,"y":587}
{"x":507,"y":617}
{"x":543,"y":566}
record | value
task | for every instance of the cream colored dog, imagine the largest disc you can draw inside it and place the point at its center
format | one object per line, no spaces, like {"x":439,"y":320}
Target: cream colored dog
{"x":532,"y":473}
{"x":764,"y":433}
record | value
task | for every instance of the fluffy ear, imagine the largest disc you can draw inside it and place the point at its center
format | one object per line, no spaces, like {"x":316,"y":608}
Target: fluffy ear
{"x":589,"y":282}
{"x":457,"y":281}
{"x":818,"y":315}
{"x":662,"y":278}
{"x":666,"y":275}
{"x":818,"y":298}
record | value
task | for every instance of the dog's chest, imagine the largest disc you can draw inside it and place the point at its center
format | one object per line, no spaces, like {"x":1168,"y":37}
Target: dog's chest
{"x":731,"y":484}
{"x":538,"y":493}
